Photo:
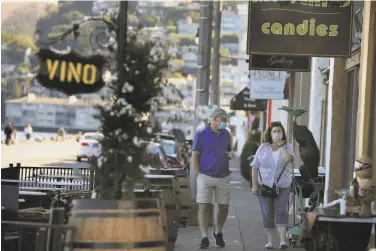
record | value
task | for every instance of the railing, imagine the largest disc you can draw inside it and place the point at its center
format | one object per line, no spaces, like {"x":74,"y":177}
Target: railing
{"x":38,"y":174}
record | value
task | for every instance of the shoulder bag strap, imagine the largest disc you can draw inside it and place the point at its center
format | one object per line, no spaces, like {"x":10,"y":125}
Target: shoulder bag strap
{"x":281,"y":173}
{"x":279,"y":177}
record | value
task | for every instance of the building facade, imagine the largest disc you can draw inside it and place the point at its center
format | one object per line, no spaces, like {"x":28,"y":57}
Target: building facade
{"x":52,"y":113}
{"x":340,"y":97}
{"x":187,"y":27}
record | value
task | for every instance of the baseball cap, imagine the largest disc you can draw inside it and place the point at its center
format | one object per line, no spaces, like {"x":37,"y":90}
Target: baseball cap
{"x":218,"y":112}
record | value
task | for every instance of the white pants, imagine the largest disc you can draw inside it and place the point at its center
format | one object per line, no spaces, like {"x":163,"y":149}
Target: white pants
{"x":207,"y":186}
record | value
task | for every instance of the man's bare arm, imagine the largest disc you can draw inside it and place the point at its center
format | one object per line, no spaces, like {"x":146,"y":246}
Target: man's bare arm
{"x":196,"y":161}
{"x":254,"y":177}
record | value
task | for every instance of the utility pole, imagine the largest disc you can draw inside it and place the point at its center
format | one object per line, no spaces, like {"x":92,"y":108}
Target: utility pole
{"x":204,"y":53}
{"x":127,"y":190}
{"x":202,"y":86}
{"x":121,"y":43}
{"x":291,"y":104}
{"x":216,"y":83}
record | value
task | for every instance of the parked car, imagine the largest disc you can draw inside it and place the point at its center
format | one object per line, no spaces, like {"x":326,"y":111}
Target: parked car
{"x":163,"y":136}
{"x":179,"y":154}
{"x":89,"y":145}
{"x":189,"y":146}
{"x":170,"y":148}
{"x":158,"y":156}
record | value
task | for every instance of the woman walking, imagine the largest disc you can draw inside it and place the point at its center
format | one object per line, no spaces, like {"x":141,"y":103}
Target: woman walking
{"x":28,"y":131}
{"x":271,"y":175}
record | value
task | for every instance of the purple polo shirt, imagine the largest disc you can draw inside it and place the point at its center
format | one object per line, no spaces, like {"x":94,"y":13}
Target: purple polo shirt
{"x":213,"y":148}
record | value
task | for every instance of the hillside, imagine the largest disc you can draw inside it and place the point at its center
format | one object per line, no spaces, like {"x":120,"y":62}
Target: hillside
{"x":21,"y":17}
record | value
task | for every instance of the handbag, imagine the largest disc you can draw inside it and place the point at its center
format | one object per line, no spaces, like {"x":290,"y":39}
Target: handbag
{"x":271,"y":192}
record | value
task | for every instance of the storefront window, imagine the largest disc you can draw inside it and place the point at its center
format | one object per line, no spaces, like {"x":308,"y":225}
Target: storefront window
{"x":351,"y":109}
{"x":357,"y":25}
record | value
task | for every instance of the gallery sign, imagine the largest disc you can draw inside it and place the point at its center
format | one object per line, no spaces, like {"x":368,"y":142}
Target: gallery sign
{"x":279,"y":63}
{"x":300,"y":28}
{"x":70,"y":73}
{"x":269,"y":85}
{"x":243,"y":102}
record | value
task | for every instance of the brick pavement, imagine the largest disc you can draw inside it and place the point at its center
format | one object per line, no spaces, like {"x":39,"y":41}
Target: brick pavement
{"x":243,"y":229}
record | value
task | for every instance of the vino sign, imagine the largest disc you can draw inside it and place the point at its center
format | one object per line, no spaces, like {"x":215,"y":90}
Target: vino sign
{"x":70,"y":73}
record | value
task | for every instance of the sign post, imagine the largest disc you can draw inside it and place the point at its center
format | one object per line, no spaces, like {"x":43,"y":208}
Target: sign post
{"x":243,"y":102}
{"x":300,"y":28}
{"x":279,"y":63}
{"x":269,"y":85}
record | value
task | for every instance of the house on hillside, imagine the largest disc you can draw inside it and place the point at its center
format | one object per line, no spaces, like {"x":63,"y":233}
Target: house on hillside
{"x":189,"y":54}
{"x":187,"y":27}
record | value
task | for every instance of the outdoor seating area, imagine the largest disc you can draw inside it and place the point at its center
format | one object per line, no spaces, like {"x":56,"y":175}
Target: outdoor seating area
{"x":43,"y":207}
{"x":29,"y":197}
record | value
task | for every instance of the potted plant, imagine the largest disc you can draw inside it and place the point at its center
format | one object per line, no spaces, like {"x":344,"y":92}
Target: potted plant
{"x":125,"y":121}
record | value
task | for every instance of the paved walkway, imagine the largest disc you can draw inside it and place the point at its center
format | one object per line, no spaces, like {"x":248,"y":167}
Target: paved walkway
{"x":243,"y":230}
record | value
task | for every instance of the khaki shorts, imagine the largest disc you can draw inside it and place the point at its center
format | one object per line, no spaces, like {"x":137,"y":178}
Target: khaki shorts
{"x":208,"y":186}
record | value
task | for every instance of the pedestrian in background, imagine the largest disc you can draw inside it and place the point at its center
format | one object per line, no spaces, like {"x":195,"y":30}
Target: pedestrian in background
{"x":14,"y":135}
{"x":211,"y":152}
{"x":8,"y":131}
{"x":28,"y":131}
{"x":271,"y":175}
{"x":61,"y":133}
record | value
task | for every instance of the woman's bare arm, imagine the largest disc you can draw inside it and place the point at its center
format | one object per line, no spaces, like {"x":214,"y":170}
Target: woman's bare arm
{"x":285,"y":154}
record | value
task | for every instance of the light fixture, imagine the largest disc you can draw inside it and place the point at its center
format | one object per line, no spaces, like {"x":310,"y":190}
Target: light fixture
{"x":293,"y":111}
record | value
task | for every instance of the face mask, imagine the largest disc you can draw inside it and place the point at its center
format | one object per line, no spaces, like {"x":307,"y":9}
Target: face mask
{"x":222,"y":125}
{"x":276,"y":136}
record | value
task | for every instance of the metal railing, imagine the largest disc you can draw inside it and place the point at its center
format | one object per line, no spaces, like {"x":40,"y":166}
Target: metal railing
{"x":48,"y":174}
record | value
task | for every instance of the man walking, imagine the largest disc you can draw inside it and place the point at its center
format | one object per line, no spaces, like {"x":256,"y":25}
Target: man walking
{"x":211,"y":152}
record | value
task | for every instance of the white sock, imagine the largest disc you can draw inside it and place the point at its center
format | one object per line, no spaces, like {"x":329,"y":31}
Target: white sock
{"x":270,"y":235}
{"x":283,"y":234}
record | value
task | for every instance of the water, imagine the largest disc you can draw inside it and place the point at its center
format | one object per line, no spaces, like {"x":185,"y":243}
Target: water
{"x":34,"y":135}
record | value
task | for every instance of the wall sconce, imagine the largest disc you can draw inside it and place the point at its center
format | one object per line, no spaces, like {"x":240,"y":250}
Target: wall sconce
{"x":293,"y":111}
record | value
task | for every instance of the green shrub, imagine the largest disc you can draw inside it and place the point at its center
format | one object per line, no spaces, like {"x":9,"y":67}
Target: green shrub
{"x":230,"y":38}
{"x":171,"y":29}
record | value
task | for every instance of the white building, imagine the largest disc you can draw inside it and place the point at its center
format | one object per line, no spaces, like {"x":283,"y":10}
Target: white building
{"x":110,"y":6}
{"x":51,"y":113}
{"x":187,"y":27}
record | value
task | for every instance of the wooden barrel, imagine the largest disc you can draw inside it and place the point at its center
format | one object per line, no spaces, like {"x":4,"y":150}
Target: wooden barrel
{"x":185,"y":190}
{"x":167,"y":183}
{"x":154,"y":194}
{"x":120,"y":225}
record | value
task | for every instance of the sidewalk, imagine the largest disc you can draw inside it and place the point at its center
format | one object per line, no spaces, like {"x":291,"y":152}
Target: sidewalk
{"x":243,"y":230}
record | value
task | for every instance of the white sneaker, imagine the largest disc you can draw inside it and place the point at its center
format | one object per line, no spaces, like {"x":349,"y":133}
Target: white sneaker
{"x":283,"y":245}
{"x":269,"y":245}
